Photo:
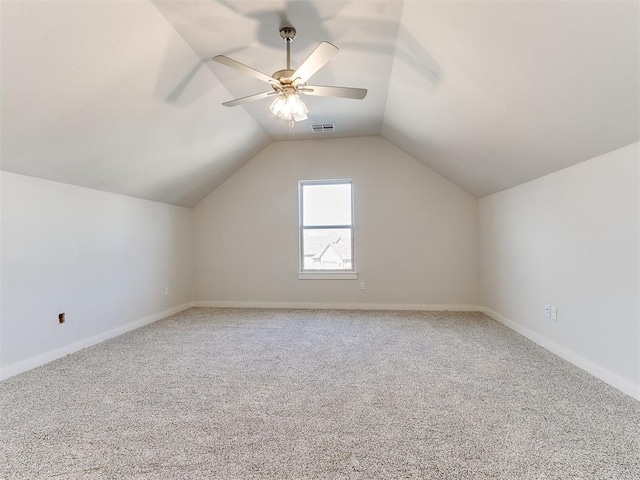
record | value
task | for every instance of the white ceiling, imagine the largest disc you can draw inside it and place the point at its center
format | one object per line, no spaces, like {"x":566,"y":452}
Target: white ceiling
{"x":123,"y":96}
{"x":524,"y":88}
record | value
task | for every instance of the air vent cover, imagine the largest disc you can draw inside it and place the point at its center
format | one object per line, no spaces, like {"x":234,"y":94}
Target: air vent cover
{"x":323,"y":127}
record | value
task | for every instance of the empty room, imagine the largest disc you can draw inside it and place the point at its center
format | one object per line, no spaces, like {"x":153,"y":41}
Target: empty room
{"x":313,"y":239}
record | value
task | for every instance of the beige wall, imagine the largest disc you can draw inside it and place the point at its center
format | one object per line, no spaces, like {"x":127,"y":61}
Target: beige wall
{"x":571,"y":239}
{"x":103,"y":259}
{"x":415,"y":232}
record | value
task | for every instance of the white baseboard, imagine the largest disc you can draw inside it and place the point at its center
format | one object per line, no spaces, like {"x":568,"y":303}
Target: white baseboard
{"x":578,"y":360}
{"x":593,"y":368}
{"x":339,"y":306}
{"x":23,"y":366}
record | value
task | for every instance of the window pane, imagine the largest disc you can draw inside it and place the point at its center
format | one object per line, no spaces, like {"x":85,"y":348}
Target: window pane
{"x":327,"y":249}
{"x":326,"y":204}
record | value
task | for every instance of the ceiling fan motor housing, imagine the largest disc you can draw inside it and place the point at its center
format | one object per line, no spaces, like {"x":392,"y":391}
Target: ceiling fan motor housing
{"x":285,"y":77}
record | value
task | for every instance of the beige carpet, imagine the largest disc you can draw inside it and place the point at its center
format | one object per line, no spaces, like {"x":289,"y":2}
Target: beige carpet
{"x":256,"y":394}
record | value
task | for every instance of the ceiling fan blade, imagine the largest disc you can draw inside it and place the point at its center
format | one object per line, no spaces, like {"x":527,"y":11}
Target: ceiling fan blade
{"x":314,"y":62}
{"x":343,"y":92}
{"x":229,"y":62}
{"x":250,"y":98}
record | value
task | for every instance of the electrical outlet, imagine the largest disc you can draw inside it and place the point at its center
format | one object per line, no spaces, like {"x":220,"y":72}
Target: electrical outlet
{"x":554,"y":313}
{"x":547,"y":311}
{"x":362,"y":286}
{"x":166,"y":291}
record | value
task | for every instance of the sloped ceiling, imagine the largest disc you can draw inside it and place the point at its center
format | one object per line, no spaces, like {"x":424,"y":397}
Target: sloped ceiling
{"x":515,"y":90}
{"x":108,"y":96}
{"x":123,"y":96}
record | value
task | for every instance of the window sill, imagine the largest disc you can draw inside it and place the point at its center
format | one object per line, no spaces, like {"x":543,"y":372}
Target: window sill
{"x":327,"y":275}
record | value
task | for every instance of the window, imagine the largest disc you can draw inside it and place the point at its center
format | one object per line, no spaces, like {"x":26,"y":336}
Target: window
{"x":326,"y":229}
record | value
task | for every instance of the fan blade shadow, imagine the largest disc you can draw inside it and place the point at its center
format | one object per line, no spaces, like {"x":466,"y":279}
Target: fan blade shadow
{"x":294,"y":12}
{"x":410,"y":51}
{"x":180,"y":88}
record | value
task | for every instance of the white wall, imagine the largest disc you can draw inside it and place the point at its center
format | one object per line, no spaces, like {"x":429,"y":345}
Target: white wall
{"x":415,"y":232}
{"x":571,"y":239}
{"x":103,"y":259}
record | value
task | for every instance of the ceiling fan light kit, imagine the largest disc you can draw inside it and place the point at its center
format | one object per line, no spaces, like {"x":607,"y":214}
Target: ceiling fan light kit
{"x":287,"y":83}
{"x":289,"y":107}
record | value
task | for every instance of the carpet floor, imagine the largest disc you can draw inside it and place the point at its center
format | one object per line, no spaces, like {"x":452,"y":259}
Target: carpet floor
{"x":293,"y":394}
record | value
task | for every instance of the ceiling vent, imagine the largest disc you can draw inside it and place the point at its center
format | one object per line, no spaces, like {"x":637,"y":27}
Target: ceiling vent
{"x":323,"y":127}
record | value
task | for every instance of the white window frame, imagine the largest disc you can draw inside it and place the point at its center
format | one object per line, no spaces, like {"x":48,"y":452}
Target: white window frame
{"x":306,"y":274}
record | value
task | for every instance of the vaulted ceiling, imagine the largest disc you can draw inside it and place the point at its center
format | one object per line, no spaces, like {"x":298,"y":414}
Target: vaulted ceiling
{"x":123,"y":96}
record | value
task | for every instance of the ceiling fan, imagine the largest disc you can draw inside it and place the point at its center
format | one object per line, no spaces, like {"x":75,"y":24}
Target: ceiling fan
{"x":286,"y":84}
